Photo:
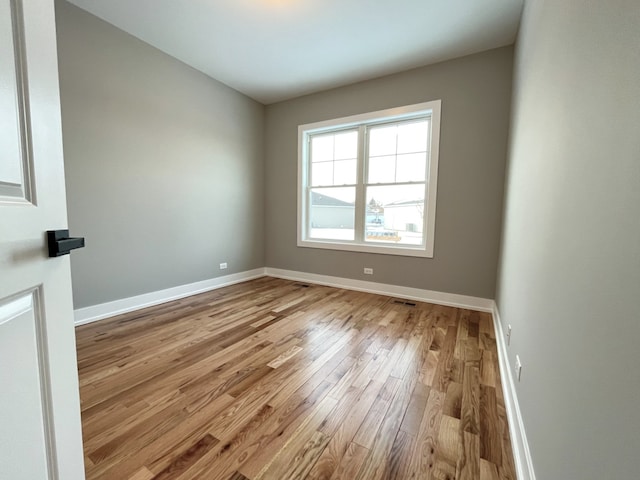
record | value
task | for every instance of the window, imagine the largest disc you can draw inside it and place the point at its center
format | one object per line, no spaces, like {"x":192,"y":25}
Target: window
{"x":368,"y":182}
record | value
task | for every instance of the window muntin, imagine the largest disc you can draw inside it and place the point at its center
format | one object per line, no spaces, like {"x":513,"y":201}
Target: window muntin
{"x":334,"y":158}
{"x":367,"y":183}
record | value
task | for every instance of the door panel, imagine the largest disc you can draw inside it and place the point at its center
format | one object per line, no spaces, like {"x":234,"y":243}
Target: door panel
{"x":40,"y":429}
{"x":14,"y":167}
{"x":23,"y":377}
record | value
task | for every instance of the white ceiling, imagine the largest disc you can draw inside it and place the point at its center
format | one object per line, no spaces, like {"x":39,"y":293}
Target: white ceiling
{"x":273,"y":50}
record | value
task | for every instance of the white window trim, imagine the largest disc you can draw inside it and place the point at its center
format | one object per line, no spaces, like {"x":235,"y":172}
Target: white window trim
{"x":400,"y":113}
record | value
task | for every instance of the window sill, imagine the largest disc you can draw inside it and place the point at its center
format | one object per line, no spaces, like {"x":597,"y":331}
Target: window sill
{"x":378,"y":249}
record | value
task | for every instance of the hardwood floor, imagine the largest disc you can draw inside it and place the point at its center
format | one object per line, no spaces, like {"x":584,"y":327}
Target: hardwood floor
{"x":273,"y":379}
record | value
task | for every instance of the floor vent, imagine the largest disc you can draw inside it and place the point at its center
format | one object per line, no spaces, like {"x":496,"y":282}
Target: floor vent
{"x":402,"y":302}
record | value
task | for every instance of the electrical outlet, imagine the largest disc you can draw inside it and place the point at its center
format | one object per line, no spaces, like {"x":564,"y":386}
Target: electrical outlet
{"x":368,"y":271}
{"x":223,"y":266}
{"x":508,"y":334}
{"x":518,"y":367}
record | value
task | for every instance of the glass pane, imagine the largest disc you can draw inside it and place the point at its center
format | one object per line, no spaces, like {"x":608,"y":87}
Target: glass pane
{"x":332,"y":213}
{"x":411,"y":167}
{"x":382,"y":140}
{"x":412,"y":137}
{"x":322,"y":173}
{"x":322,"y":148}
{"x":344,"y":172}
{"x":382,"y":170}
{"x":346,"y":145}
{"x":395,"y":214}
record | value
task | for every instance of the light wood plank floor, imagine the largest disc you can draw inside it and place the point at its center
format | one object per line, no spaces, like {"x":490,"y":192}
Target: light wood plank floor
{"x":273,"y":379}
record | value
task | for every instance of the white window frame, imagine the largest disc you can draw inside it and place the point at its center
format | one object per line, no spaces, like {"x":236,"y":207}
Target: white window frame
{"x":362,"y":121}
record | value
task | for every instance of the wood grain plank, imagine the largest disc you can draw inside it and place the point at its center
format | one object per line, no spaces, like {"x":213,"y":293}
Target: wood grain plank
{"x":283,"y":357}
{"x":448,"y":368}
{"x":367,"y":432}
{"x":273,"y":379}
{"x":351,"y":462}
{"x":142,"y":474}
{"x":398,"y":463}
{"x":487,"y":370}
{"x":301,"y":463}
{"x":449,"y":440}
{"x":488,"y":470}
{"x":305,"y":441}
{"x":490,"y":435}
{"x":187,"y":458}
{"x":237,"y":476}
{"x":428,"y":369}
{"x":343,"y":429}
{"x":471,"y":399}
{"x":468,"y":466}
{"x":161,"y":452}
{"x":422,"y":461}
{"x":376,"y":463}
{"x":258,"y":450}
{"x":453,"y":400}
{"x":415,"y":410}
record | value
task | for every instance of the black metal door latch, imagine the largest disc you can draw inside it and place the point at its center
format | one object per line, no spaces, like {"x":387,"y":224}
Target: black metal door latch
{"x":61,"y":244}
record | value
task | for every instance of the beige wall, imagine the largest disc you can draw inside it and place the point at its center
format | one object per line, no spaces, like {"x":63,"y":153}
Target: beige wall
{"x":164,"y":165}
{"x":570,"y":263}
{"x":475,"y":93}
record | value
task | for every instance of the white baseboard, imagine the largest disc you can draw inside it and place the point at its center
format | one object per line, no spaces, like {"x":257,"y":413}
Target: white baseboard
{"x":109,"y":309}
{"x":117,"y":307}
{"x":521,"y":452}
{"x":420,"y":295}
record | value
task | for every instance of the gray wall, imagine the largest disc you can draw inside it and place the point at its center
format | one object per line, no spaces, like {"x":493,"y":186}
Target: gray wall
{"x":475,"y":93}
{"x":570,"y":263}
{"x":164,"y":165}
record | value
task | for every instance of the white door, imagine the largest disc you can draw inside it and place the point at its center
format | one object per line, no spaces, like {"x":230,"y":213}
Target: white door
{"x":40,"y":429}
